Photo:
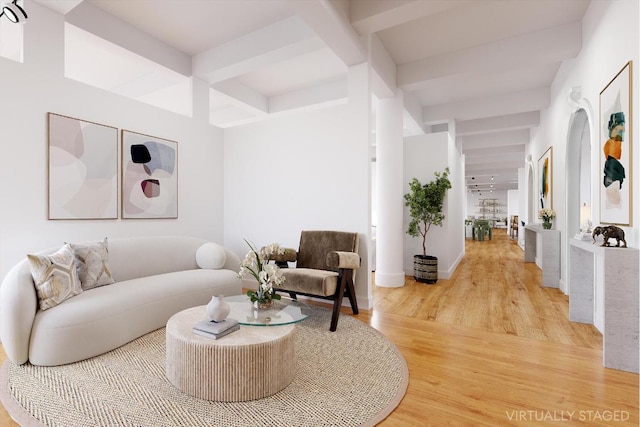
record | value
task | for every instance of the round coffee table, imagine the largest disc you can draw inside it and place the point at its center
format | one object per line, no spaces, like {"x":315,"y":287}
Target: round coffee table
{"x":251,"y":363}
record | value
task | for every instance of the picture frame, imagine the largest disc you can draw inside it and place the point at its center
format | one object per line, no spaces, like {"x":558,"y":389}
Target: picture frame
{"x":82,"y":169}
{"x":616,"y":149}
{"x":545,"y":179}
{"x":149,"y":176}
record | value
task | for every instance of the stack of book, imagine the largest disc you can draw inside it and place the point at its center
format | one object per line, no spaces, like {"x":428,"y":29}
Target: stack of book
{"x":214,"y":330}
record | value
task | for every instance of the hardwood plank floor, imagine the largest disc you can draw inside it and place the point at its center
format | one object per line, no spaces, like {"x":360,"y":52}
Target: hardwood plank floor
{"x":490,"y":347}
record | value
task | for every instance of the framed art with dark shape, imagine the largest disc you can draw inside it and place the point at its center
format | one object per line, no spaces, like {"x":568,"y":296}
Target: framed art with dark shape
{"x":615,"y":149}
{"x":149,"y":176}
{"x":545,"y":179}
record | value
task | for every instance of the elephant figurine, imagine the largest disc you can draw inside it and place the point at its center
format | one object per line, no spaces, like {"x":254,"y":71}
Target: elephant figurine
{"x":609,"y":232}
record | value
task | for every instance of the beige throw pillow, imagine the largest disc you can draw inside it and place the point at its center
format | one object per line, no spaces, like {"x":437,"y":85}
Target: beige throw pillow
{"x":92,"y":262}
{"x":55,"y":277}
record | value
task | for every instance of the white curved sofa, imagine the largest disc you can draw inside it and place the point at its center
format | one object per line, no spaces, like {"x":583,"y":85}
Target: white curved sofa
{"x":155,"y":277}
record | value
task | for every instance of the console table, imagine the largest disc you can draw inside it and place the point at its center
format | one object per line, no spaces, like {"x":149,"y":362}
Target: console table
{"x":615,"y":271}
{"x":549,"y":253}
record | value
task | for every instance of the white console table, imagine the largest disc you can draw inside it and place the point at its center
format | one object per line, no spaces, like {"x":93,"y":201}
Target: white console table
{"x":616,"y":271}
{"x":549,"y":253}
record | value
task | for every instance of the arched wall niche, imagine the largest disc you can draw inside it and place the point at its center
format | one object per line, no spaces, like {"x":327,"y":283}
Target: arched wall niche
{"x":578,"y":174}
{"x":531,"y":197}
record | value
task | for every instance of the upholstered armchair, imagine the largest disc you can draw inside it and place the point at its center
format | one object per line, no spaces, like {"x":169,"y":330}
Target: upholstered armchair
{"x":326,"y":264}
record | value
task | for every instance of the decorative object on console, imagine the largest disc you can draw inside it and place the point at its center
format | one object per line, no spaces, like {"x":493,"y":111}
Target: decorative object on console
{"x":545,"y":178}
{"x":610,"y":232}
{"x":546,"y":215}
{"x":83,"y":169}
{"x":615,"y":157}
{"x":585,"y":223}
{"x":268,"y":275}
{"x":218,"y":309}
{"x":149,"y":176}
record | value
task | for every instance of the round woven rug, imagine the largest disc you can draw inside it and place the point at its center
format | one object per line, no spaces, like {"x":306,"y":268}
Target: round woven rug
{"x":350,"y":377}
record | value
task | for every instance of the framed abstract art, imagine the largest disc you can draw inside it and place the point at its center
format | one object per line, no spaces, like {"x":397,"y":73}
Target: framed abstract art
{"x":545,"y":179}
{"x":149,"y":176}
{"x":83,"y":169}
{"x":615,"y":149}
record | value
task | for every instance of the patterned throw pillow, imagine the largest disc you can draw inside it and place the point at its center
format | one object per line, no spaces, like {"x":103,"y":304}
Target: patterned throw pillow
{"x":55,"y":277}
{"x":92,"y":262}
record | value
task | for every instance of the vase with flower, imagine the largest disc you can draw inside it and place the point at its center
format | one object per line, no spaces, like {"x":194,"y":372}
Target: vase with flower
{"x":546,"y":215}
{"x":268,"y":275}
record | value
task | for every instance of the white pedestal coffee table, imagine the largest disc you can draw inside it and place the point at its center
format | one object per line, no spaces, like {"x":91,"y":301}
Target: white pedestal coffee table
{"x":252,"y":363}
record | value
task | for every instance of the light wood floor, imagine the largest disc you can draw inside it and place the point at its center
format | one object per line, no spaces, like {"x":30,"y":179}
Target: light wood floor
{"x":490,"y":347}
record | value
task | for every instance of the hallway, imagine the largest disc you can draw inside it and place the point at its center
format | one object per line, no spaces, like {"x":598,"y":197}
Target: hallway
{"x":491,"y":347}
{"x":494,"y":290}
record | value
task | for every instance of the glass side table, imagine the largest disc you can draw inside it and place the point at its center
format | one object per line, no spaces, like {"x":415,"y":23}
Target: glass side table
{"x":283,"y":312}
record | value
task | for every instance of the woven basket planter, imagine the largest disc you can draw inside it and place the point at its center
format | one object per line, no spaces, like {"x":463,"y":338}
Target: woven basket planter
{"x":425,"y":268}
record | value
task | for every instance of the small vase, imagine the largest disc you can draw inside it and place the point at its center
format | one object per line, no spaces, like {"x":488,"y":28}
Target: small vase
{"x":218,"y":309}
{"x":264,"y":305}
{"x":546,"y":225}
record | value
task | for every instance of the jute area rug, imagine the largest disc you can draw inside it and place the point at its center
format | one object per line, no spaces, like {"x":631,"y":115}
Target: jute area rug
{"x":350,"y":377}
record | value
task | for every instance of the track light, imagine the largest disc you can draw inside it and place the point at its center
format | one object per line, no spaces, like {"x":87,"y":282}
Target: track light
{"x":13,"y":11}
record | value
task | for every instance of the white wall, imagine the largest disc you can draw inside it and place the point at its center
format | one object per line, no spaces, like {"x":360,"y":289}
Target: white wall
{"x":610,"y":40}
{"x":308,"y":171}
{"x":424,"y":155}
{"x":38,"y":86}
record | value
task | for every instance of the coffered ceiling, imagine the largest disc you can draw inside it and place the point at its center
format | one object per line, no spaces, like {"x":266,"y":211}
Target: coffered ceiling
{"x":486,"y":65}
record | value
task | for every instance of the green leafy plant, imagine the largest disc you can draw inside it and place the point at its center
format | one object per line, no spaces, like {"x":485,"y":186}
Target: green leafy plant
{"x":425,"y":205}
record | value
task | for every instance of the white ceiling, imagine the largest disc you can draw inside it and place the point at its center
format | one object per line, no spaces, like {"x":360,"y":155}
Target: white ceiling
{"x":487,"y":64}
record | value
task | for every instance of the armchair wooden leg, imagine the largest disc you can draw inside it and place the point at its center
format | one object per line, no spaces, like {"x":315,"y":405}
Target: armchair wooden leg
{"x":337,"y":303}
{"x":351,"y":293}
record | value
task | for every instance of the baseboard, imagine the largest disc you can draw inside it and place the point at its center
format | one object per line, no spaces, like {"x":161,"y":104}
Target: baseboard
{"x":446,"y":274}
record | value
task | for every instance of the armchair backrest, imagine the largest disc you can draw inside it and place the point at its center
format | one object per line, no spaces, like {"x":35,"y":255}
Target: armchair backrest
{"x":315,"y":244}
{"x":481,"y":223}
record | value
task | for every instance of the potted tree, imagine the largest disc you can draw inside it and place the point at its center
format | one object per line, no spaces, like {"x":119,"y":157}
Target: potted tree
{"x":425,"y":207}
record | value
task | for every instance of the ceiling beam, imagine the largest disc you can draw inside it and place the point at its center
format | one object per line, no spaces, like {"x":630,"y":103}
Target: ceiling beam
{"x":493,"y":139}
{"x":384,"y":69}
{"x":369,"y":17}
{"x":276,"y":42}
{"x":546,"y":46}
{"x":501,"y":158}
{"x":104,"y":25}
{"x":333,"y":28}
{"x":412,"y":115}
{"x":242,"y":96}
{"x":61,"y":6}
{"x":498,"y":123}
{"x":320,"y":95}
{"x":519,"y":102}
{"x":484,"y":170}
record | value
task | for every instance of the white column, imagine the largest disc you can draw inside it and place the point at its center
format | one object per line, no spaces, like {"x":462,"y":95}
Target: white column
{"x":389,"y":166}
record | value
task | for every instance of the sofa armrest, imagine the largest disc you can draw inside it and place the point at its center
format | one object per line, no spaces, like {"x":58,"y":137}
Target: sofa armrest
{"x":346,"y":260}
{"x":232,"y":262}
{"x":18,"y":307}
